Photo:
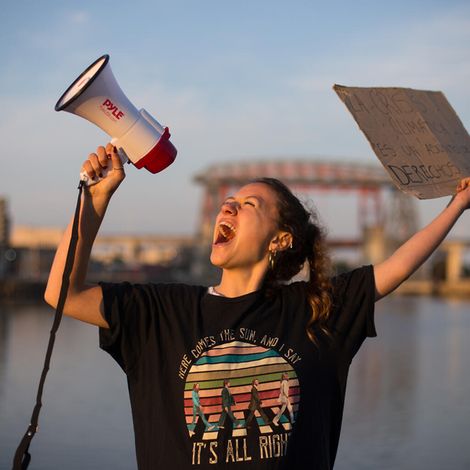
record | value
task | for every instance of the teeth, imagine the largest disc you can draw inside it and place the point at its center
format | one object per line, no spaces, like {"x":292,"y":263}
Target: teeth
{"x":226,"y":232}
{"x":229,"y":225}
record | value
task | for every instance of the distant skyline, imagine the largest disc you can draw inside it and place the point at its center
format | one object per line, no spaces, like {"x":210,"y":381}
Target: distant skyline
{"x":233,"y":81}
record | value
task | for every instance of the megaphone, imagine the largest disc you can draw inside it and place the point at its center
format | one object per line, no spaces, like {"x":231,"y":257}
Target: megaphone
{"x":96,"y":96}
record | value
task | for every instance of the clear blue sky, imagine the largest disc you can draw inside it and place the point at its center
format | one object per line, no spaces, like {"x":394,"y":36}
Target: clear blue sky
{"x":232,"y":80}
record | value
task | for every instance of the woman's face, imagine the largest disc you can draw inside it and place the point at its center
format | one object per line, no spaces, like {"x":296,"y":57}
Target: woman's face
{"x":245,"y":228}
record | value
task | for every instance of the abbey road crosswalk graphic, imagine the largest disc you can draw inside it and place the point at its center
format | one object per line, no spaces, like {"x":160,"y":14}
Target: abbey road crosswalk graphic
{"x":240,"y":391}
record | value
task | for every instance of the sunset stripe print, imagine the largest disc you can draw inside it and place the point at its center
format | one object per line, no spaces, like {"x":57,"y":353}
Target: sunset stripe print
{"x":240,"y":363}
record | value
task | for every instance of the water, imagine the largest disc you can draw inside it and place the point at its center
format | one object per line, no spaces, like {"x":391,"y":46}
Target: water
{"x":407,"y":406}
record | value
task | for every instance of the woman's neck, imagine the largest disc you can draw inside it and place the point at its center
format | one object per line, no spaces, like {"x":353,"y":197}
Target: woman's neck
{"x":235,"y":283}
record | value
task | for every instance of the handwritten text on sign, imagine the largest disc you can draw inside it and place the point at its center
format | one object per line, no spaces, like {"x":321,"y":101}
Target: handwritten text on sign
{"x":416,"y":135}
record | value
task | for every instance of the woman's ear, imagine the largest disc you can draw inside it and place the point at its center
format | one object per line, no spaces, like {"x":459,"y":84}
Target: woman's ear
{"x":282,"y":241}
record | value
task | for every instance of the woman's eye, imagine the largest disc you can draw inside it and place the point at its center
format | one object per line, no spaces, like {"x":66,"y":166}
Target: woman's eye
{"x":249,"y":203}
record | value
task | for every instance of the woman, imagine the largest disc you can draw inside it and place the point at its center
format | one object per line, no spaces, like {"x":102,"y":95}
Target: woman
{"x":251,"y":325}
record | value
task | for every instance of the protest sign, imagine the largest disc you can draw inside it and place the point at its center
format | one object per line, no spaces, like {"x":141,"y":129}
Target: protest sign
{"x":416,"y":135}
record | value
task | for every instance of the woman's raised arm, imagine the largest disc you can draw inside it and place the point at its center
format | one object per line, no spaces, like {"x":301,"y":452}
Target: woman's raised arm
{"x":390,"y":273}
{"x":85,"y":302}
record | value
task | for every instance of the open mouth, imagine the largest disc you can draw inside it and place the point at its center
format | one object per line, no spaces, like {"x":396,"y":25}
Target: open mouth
{"x":225,"y":233}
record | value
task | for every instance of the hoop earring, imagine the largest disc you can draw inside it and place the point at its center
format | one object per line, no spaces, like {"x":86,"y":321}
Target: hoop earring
{"x":272,"y":259}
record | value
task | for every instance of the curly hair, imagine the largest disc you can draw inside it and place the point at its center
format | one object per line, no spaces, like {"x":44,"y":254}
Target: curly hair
{"x":308,"y":245}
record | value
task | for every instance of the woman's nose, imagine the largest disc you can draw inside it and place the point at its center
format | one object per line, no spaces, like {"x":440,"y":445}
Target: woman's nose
{"x":230,"y":208}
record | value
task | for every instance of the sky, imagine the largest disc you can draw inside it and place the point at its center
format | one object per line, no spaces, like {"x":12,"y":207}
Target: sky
{"x":233,"y":81}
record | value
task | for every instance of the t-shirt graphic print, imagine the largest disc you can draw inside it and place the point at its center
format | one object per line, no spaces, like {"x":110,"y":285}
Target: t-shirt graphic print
{"x":240,"y":403}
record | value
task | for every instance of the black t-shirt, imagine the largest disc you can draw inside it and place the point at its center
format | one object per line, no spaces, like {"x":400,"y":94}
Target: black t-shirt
{"x":193,"y":361}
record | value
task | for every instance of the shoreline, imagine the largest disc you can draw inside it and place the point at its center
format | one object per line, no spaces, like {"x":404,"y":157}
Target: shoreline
{"x":27,"y":291}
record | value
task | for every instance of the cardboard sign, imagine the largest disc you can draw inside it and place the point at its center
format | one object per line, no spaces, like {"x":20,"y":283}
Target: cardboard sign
{"x":416,"y":135}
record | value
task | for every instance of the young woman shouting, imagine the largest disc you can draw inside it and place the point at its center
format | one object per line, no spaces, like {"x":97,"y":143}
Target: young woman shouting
{"x":253,"y":327}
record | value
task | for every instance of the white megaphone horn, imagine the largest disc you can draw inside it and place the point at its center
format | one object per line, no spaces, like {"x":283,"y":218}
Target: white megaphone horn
{"x":139,"y":138}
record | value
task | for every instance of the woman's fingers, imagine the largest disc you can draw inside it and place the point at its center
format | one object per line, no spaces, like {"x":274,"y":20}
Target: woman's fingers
{"x":88,"y":168}
{"x":109,"y":180}
{"x":103,"y":157}
{"x":463,"y":184}
{"x":100,"y":160}
{"x":114,"y":156}
{"x":462,"y":195}
{"x":116,"y":161}
{"x":110,"y":148}
{"x":94,"y":160}
{"x":92,"y":166}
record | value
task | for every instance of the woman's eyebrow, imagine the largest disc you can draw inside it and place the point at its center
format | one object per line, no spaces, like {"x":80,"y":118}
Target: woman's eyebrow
{"x":258,"y":198}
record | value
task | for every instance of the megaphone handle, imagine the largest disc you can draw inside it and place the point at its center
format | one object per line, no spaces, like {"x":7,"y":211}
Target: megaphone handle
{"x":89,"y":182}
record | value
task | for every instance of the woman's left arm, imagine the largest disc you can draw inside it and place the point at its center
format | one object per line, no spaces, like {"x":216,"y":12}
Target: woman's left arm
{"x":389,"y":274}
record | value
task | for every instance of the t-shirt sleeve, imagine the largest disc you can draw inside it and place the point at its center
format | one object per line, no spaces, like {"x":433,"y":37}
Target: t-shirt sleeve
{"x":130,"y":312}
{"x":353,"y":309}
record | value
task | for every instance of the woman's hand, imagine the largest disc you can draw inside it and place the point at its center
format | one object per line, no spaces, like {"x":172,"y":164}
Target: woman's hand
{"x":95,"y":165}
{"x":462,"y":195}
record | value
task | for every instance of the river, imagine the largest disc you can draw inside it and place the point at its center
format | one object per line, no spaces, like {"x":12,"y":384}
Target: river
{"x":407,"y":403}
